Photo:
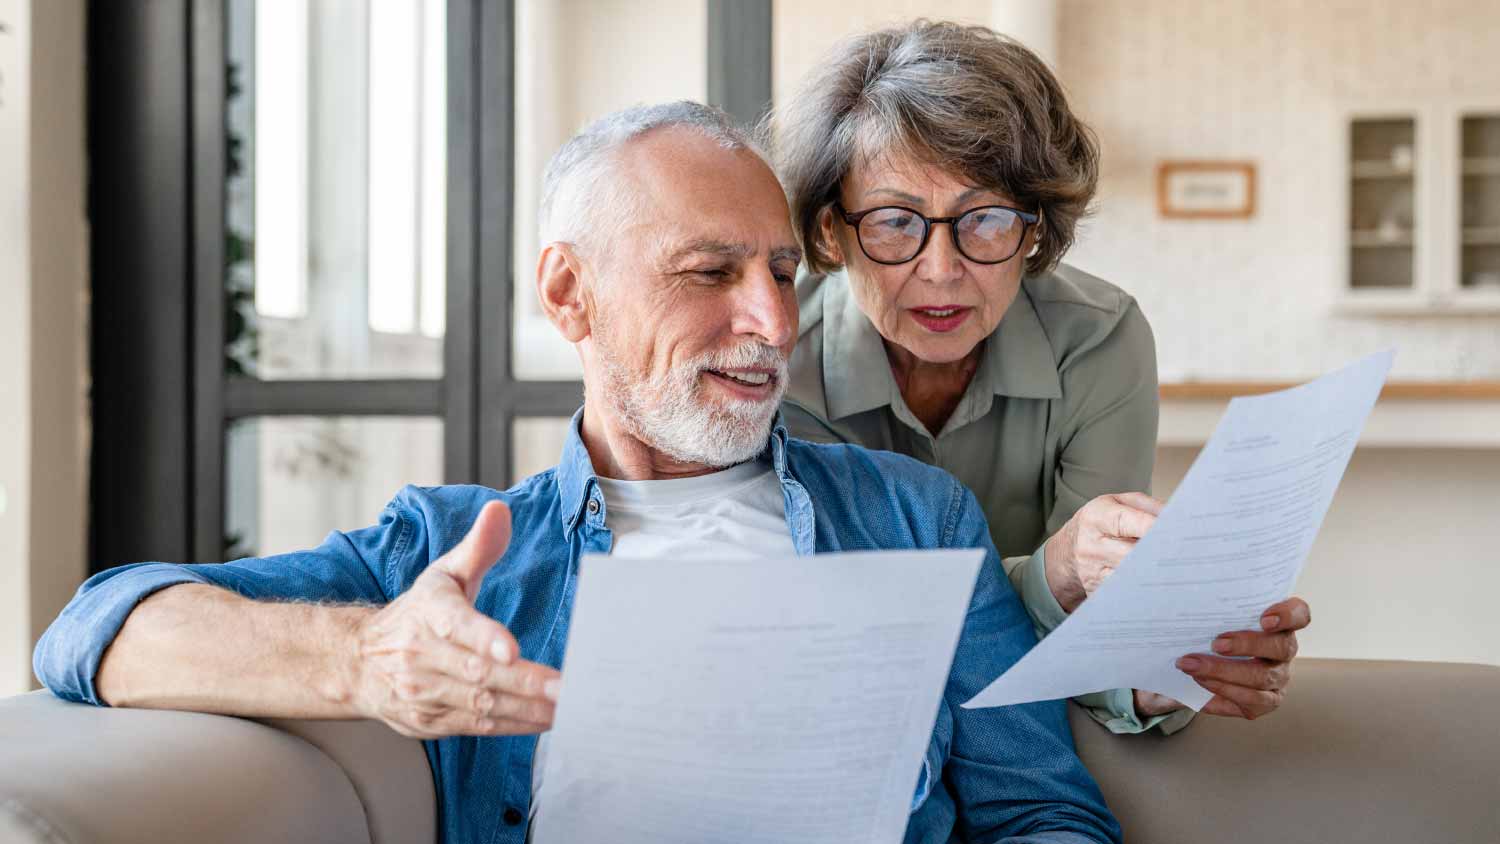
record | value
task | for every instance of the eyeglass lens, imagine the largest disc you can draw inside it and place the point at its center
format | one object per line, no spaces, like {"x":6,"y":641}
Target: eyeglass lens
{"x":986,"y":235}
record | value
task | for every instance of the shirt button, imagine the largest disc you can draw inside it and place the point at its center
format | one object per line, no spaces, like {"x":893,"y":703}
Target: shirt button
{"x":513,"y":816}
{"x":593,"y":507}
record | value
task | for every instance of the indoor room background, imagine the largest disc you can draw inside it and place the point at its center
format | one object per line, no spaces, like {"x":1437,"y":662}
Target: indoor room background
{"x":1372,"y":219}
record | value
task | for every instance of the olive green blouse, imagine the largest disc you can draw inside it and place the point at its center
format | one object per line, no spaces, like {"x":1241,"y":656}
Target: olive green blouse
{"x":1063,"y":408}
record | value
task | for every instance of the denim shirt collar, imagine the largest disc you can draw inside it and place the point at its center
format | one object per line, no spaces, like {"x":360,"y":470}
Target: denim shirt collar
{"x":1017,"y":361}
{"x":576,"y":480}
{"x":577,"y":483}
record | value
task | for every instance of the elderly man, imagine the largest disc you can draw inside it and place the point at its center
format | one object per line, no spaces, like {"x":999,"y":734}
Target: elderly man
{"x":669,"y":263}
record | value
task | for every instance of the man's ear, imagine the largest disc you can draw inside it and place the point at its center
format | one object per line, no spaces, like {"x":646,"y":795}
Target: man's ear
{"x":559,"y":287}
{"x":828,"y":242}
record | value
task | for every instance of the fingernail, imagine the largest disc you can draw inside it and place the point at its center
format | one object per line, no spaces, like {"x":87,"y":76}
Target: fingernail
{"x":1270,"y":622}
{"x":1222,"y":645}
{"x":552,"y":688}
{"x":500,"y":651}
{"x":1189,"y":664}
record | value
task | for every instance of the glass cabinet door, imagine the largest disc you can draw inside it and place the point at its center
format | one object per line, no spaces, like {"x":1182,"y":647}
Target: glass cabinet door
{"x":1382,"y":203}
{"x":1479,"y":197}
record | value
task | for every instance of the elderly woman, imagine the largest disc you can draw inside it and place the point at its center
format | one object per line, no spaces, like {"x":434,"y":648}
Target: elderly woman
{"x":936,"y":175}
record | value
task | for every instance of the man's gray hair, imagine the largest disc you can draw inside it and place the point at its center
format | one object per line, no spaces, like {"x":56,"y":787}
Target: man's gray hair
{"x":583,"y":202}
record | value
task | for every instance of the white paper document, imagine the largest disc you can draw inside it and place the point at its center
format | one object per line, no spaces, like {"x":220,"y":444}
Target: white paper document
{"x":1230,"y":542}
{"x":763,"y":700}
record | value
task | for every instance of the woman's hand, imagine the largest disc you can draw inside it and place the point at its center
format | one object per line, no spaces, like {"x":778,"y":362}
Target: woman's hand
{"x":1250,"y":688}
{"x":1243,"y":688}
{"x":1089,"y":547}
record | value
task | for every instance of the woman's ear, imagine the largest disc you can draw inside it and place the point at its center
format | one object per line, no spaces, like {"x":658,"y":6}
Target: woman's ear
{"x":560,"y":289}
{"x":1035,"y":237}
{"x":828,"y":241}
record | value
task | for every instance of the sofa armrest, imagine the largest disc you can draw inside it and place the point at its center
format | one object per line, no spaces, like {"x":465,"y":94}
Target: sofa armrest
{"x":80,"y":774}
{"x":389,"y":772}
{"x":1360,"y":751}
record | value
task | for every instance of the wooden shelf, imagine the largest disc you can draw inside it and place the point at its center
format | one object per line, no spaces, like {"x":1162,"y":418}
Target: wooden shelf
{"x":1396,"y":390}
{"x":1481,"y":167}
{"x":1406,"y":302}
{"x":1410,"y":414}
{"x":1372,"y":239}
{"x":1378,"y":170}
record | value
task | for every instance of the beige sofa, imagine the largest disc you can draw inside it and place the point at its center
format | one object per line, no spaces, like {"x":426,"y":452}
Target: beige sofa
{"x":1362,"y":752}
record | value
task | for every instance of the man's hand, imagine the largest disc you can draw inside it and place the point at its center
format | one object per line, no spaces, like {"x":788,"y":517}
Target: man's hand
{"x":430,"y":665}
{"x":1087,"y":549}
{"x":1243,"y":688}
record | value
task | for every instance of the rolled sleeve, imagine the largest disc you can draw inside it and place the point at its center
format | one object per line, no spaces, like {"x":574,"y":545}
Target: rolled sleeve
{"x":1115,"y":709}
{"x":67,"y":656}
{"x":349,"y":567}
{"x":1028,"y":575}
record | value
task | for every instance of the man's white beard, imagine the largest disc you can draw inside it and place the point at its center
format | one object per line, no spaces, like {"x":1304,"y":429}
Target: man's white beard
{"x":671,"y":413}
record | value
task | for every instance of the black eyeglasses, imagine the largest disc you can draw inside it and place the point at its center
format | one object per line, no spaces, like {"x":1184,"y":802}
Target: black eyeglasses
{"x":890,"y":234}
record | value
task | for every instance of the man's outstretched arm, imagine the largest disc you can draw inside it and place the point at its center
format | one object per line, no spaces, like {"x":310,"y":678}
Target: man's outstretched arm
{"x":206,"y":649}
{"x":226,"y":639}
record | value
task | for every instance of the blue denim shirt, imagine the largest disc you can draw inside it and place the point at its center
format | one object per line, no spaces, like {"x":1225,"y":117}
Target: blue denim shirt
{"x":1004,"y":774}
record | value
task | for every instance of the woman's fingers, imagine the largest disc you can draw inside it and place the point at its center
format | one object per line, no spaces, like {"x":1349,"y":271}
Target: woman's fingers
{"x":1085,"y":550}
{"x":1124,"y":516}
{"x":1278,"y":647}
{"x":1124,"y":521}
{"x":1218,"y":705}
{"x":1291,"y":614}
{"x":1258,"y":674}
{"x":1149,"y":704}
{"x":1140,"y":501}
{"x":1252,"y":703}
{"x":1098,"y":558}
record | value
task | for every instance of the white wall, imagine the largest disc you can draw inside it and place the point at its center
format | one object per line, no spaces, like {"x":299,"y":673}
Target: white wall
{"x":1407,"y":565}
{"x":1262,"y":80}
{"x":1409,"y":559}
{"x":43,"y":266}
{"x":576,"y":61}
{"x":803,"y":33}
{"x":15,"y":357}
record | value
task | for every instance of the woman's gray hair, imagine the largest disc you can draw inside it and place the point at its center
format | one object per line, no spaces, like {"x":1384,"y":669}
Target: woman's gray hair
{"x":962,"y":97}
{"x":583,"y":202}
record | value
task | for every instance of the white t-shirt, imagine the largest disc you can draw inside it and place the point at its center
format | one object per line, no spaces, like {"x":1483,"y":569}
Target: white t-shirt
{"x":734,"y":513}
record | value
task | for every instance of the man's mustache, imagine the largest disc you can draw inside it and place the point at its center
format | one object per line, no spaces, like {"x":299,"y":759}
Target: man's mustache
{"x":745,"y":356}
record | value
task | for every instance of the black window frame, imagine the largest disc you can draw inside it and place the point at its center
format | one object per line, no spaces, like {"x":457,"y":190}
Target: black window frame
{"x":157,"y":85}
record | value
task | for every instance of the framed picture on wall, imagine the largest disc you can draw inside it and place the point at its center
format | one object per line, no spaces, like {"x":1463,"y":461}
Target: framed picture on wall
{"x":1205,"y":190}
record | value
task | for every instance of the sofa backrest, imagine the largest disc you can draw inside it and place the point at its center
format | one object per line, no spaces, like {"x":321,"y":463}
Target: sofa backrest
{"x":1361,"y":751}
